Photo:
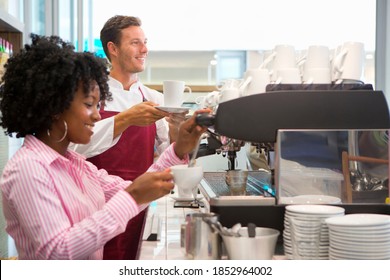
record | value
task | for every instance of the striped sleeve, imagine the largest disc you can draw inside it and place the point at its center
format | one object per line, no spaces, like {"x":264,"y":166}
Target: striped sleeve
{"x":167,"y":159}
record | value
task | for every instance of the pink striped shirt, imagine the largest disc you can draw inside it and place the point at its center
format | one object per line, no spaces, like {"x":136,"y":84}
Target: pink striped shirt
{"x":60,"y":207}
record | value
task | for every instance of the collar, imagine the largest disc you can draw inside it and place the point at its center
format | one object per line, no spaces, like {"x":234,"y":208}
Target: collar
{"x":50,"y":155}
{"x":113,"y":83}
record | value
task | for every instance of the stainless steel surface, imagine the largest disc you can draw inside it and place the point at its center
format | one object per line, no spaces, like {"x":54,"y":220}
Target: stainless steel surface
{"x":216,"y":192}
{"x":201,"y":241}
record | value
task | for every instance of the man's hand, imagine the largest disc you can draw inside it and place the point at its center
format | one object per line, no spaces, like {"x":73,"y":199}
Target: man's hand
{"x":142,"y":114}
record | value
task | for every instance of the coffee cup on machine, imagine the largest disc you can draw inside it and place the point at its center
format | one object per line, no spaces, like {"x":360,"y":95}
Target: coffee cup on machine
{"x":282,"y":57}
{"x":288,"y":76}
{"x":260,"y":78}
{"x":229,"y":84}
{"x":317,"y":56}
{"x":209,"y":100}
{"x":229,"y":94}
{"x":348,"y":63}
{"x":317,"y":76}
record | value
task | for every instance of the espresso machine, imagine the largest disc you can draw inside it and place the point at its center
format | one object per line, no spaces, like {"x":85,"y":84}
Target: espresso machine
{"x":219,"y":144}
{"x":258,"y":119}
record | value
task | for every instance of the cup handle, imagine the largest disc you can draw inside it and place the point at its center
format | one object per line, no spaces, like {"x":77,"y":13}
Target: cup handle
{"x":200,"y":99}
{"x":245,"y":84}
{"x":267,"y":60}
{"x":188,"y":88}
{"x":189,"y":91}
{"x":301,"y":61}
{"x":338,"y":61}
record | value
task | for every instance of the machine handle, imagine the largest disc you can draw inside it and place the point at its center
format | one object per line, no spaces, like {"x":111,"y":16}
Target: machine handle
{"x":205,"y":119}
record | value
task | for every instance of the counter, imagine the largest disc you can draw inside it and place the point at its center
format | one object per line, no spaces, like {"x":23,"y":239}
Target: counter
{"x":165,"y":220}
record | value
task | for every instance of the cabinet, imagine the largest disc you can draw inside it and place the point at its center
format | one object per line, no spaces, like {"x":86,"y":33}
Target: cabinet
{"x":11,"y":29}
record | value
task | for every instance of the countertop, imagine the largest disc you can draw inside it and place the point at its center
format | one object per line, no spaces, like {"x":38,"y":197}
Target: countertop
{"x":165,"y":220}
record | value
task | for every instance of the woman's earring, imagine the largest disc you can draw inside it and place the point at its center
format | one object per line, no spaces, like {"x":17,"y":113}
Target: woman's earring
{"x":63,"y":137}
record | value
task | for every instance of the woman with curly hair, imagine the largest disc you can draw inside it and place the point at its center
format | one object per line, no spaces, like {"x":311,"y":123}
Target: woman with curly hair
{"x":56,"y":204}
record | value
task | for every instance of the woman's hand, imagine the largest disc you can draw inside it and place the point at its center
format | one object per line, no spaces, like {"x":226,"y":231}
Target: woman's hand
{"x":189,"y":134}
{"x":174,"y":121}
{"x":151,"y":186}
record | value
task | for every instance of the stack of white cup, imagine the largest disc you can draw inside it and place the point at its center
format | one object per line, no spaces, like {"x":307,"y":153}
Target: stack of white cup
{"x":348,"y":63}
{"x":284,"y":65}
{"x":316,"y":65}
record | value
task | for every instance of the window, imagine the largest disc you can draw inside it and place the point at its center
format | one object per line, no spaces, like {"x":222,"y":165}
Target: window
{"x":204,"y":28}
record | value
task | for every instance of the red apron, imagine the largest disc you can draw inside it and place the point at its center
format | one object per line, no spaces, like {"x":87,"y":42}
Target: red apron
{"x":129,"y":158}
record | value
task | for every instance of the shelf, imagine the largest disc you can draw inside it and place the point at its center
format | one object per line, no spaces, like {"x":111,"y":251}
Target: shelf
{"x":12,"y":30}
{"x":195,"y":88}
{"x":9,"y":23}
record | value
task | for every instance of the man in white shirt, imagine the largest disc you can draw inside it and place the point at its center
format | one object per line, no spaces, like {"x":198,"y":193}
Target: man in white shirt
{"x":124,"y":141}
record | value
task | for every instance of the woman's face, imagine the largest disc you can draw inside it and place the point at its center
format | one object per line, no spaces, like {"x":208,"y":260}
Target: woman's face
{"x":82,"y":115}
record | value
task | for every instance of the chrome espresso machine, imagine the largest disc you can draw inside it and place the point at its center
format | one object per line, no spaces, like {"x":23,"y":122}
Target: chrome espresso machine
{"x":266,"y":119}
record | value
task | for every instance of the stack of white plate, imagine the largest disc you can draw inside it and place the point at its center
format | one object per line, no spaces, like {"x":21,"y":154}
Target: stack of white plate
{"x":310,"y":199}
{"x":305,"y":234}
{"x":359,"y":237}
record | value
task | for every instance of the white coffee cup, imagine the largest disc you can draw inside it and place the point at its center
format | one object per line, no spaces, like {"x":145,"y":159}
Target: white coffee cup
{"x":317,"y":56}
{"x":229,"y":84}
{"x":348,"y":64}
{"x":186,"y":179}
{"x":260,"y":79}
{"x":317,"y":76}
{"x":174,"y":93}
{"x":288,"y":76}
{"x":334,"y":74}
{"x":283,"y":56}
{"x":229,"y":94}
{"x":209,"y":100}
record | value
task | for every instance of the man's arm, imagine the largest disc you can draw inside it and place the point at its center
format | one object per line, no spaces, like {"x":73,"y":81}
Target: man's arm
{"x":107,"y":131}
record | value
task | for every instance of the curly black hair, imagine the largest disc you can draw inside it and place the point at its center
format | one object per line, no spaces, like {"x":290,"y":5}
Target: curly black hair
{"x":40,"y":82}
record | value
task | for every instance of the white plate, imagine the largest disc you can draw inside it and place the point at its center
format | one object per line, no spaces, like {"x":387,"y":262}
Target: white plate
{"x":174,"y":110}
{"x":368,"y":237}
{"x":358,"y":255}
{"x":313,"y":209}
{"x":310,"y":199}
{"x":359,"y":220}
{"x":175,"y":197}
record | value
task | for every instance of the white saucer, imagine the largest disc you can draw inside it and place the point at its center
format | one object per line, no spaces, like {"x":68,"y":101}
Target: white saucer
{"x":175,"y":110}
{"x":175,"y":197}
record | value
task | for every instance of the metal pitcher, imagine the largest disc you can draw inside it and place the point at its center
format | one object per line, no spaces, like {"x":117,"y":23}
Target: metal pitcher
{"x":201,"y":242}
